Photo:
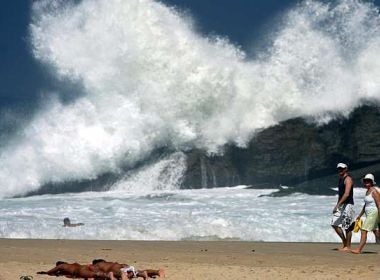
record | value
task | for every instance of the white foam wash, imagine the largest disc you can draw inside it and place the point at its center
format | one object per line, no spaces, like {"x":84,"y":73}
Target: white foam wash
{"x":206,"y":214}
{"x":151,"y":81}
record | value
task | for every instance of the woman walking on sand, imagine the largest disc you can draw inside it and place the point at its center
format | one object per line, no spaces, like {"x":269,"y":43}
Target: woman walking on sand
{"x":371,"y":210}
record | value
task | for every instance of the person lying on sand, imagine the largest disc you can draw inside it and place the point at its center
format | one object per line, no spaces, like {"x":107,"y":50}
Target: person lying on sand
{"x":124,"y":271}
{"x":67,"y":223}
{"x":75,"y":270}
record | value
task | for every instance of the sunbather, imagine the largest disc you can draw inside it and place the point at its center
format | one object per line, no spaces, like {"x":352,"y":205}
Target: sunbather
{"x":76,"y":270}
{"x":124,"y":271}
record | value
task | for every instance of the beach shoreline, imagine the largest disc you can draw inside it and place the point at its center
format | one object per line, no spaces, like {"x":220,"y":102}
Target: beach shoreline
{"x":194,"y":259}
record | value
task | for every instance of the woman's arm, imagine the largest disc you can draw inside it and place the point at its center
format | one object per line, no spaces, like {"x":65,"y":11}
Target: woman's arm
{"x":361,"y":213}
{"x":376,"y":197}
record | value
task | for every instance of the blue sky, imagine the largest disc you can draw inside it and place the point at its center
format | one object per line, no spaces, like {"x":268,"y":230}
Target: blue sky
{"x":241,"y":21}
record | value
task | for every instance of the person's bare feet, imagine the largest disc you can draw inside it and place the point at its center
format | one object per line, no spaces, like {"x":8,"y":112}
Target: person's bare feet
{"x":356,"y":251}
{"x":344,"y":249}
{"x":161,"y":273}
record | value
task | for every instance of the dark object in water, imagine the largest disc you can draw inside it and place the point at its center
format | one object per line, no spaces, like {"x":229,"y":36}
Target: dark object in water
{"x":67,"y":223}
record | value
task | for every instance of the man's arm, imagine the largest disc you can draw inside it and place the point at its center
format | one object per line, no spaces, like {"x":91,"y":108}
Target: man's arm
{"x":54,"y":271}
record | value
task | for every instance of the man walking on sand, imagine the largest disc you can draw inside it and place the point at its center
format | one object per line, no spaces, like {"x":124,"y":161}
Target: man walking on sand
{"x":343,"y":212}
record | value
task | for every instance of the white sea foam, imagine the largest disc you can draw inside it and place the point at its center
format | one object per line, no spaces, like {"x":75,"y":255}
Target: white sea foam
{"x":150,"y":81}
{"x":212,"y":214}
{"x":166,"y":174}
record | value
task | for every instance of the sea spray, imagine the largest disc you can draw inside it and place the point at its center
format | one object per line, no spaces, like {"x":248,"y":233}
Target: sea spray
{"x":164,"y":175}
{"x":150,"y":81}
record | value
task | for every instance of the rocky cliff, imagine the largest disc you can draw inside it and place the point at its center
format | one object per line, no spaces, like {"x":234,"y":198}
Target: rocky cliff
{"x":295,"y":153}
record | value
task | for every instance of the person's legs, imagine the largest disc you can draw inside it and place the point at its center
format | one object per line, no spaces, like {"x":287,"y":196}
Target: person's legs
{"x":90,"y":275}
{"x":348,"y":238}
{"x":363,"y":240}
{"x":370,"y":224}
{"x":340,"y":233}
{"x":153,"y":273}
{"x":142,"y":273}
{"x":376,"y":232}
{"x":124,"y":276}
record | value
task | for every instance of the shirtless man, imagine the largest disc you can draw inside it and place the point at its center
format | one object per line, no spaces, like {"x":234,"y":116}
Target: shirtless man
{"x":125,"y":271}
{"x":75,"y":270}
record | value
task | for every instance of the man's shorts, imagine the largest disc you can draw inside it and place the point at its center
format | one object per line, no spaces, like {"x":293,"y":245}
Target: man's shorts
{"x":371,"y":220}
{"x":344,"y":216}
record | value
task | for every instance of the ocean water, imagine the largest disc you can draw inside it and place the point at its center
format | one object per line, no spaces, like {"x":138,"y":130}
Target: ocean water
{"x":141,"y":78}
{"x":235,"y":213}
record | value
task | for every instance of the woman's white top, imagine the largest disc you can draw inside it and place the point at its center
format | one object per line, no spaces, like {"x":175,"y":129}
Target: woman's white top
{"x":369,"y":201}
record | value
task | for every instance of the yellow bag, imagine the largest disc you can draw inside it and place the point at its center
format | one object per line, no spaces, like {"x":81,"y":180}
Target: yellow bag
{"x":358,"y":225}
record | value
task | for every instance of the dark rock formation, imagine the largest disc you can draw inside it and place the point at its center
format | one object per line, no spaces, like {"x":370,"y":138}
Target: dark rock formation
{"x":295,"y":153}
{"x":205,"y":171}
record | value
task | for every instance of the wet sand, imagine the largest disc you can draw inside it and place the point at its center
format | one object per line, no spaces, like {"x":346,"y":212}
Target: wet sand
{"x":187,"y":260}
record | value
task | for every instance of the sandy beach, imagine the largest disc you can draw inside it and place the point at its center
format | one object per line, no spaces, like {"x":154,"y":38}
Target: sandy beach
{"x":195,"y":260}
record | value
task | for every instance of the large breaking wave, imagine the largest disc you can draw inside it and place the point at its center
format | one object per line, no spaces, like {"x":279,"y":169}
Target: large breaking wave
{"x":151,"y":81}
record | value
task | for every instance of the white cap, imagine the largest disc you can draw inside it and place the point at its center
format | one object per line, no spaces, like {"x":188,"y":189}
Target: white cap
{"x":370,"y":177}
{"x":341,"y":165}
